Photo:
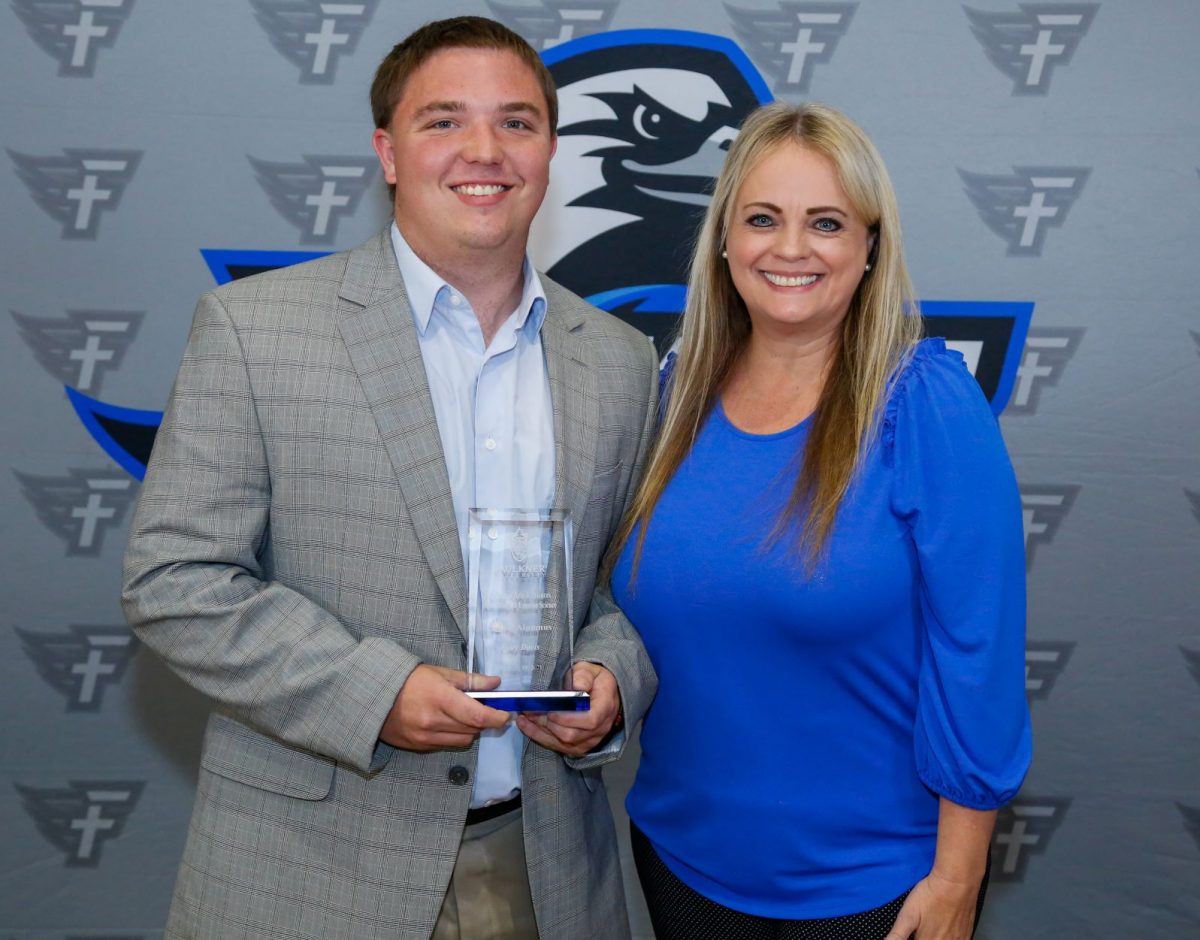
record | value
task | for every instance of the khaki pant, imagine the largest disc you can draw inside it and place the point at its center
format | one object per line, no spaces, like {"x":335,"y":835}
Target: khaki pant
{"x":488,"y":897}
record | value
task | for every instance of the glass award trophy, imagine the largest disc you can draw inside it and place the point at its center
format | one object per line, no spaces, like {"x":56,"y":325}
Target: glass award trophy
{"x":519,"y":605}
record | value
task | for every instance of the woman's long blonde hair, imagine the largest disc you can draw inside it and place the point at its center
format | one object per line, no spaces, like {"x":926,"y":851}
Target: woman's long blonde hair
{"x":876,"y":336}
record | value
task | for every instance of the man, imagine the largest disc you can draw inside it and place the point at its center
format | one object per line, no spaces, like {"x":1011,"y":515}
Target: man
{"x":298,"y":550}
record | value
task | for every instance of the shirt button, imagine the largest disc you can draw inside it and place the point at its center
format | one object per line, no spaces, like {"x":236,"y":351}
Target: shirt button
{"x":455,"y":299}
{"x":493,"y":534}
{"x":497,"y":626}
{"x":490,"y":443}
{"x":459,"y":775}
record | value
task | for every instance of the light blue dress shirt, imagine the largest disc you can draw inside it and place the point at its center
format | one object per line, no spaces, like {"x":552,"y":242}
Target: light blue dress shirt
{"x":496,"y":423}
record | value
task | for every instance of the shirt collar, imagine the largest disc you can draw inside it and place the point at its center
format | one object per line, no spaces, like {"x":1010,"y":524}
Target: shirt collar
{"x":424,"y":285}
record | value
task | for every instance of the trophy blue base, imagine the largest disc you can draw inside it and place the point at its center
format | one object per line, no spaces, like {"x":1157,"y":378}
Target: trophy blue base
{"x":512,"y":701}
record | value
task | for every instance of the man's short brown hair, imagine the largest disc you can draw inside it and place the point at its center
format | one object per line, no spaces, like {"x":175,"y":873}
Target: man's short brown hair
{"x":459,"y":32}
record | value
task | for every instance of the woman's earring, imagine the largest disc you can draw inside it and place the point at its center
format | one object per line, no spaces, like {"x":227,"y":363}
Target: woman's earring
{"x":724,"y":253}
{"x":867,"y":268}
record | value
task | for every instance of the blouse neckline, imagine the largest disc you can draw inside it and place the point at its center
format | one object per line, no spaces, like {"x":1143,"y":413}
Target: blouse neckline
{"x":750,"y":436}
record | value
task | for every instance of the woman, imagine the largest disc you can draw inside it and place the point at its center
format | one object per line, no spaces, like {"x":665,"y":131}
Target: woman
{"x":825,"y":562}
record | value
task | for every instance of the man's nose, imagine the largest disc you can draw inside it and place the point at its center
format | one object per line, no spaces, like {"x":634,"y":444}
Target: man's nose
{"x":482,"y":145}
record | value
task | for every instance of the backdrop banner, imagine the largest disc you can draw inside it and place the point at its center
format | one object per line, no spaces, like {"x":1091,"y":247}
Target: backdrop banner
{"x":153,"y":150}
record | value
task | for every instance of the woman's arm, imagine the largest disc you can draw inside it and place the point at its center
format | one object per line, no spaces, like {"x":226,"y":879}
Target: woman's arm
{"x":956,"y":489}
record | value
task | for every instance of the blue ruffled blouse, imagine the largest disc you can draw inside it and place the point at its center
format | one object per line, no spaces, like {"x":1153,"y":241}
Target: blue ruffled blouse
{"x":806,"y":722}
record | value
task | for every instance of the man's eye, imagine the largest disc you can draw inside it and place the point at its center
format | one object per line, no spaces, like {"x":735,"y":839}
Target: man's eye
{"x":827,"y":225}
{"x":516,"y":124}
{"x":442,"y":124}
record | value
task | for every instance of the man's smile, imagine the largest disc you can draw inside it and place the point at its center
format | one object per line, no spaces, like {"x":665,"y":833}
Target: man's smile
{"x":480,"y":189}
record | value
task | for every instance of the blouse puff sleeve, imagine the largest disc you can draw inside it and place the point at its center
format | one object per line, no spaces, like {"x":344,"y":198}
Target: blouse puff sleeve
{"x":954,"y":487}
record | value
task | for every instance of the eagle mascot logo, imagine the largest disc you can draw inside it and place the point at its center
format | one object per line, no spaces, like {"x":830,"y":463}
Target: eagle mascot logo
{"x":646,"y":118}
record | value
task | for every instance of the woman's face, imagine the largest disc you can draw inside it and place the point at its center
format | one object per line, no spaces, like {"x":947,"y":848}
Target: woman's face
{"x":796,"y":250}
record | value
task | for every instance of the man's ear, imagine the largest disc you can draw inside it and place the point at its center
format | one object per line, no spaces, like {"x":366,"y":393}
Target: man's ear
{"x":553,"y":145}
{"x":381,"y":142}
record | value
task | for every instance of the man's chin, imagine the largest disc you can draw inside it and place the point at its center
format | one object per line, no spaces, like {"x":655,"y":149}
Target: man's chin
{"x":491,"y":240}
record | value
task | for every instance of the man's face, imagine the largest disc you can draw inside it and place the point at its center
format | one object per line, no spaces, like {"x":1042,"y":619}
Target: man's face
{"x":469,"y":152}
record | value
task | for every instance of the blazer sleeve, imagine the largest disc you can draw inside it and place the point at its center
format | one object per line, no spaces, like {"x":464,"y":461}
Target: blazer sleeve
{"x":194,"y":587}
{"x":609,"y":638}
{"x":954,"y":486}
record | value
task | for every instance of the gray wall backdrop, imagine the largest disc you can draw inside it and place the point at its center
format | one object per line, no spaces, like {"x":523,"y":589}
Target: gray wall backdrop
{"x":130,"y":126}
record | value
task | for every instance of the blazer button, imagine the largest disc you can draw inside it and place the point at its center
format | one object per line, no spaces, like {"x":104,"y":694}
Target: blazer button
{"x":459,"y":775}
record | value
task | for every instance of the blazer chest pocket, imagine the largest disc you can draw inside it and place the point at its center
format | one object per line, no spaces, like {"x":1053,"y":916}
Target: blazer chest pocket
{"x":234,"y":751}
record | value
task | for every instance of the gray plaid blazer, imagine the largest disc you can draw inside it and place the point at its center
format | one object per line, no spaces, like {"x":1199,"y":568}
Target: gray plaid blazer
{"x":294,"y":556}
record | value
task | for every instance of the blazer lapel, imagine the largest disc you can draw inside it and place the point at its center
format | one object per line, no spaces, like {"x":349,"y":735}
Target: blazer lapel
{"x":377,"y":327}
{"x":576,"y":423}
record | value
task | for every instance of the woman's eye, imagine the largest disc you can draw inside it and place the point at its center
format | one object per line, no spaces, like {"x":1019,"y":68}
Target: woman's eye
{"x":827,"y":225}
{"x":760,"y":220}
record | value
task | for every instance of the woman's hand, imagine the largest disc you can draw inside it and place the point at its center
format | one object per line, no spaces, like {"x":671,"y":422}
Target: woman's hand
{"x":941,"y":906}
{"x":937,"y":908}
